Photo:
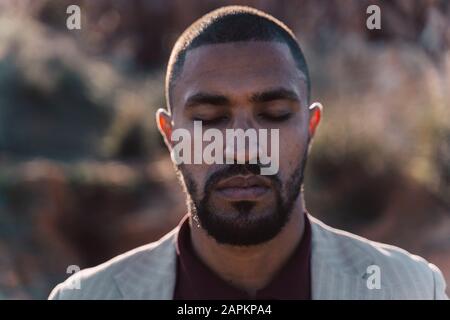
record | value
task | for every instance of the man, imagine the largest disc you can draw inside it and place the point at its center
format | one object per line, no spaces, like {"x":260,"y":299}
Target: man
{"x":247,"y":235}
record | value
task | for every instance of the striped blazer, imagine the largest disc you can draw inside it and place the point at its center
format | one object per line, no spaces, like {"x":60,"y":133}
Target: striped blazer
{"x":343,"y":266}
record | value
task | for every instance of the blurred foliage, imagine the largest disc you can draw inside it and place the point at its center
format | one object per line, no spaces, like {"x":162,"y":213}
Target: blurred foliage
{"x":84,"y":174}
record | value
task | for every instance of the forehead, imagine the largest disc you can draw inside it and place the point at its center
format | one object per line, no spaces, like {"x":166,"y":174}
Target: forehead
{"x":238,"y":69}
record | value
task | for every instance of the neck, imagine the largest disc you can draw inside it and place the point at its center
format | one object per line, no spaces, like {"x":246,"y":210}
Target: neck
{"x":250,"y":268}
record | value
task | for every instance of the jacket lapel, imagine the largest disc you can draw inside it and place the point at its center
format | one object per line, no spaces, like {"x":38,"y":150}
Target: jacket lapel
{"x":152,"y":275}
{"x":339,"y":267}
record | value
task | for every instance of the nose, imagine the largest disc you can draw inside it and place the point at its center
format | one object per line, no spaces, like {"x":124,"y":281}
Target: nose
{"x":241,"y":141}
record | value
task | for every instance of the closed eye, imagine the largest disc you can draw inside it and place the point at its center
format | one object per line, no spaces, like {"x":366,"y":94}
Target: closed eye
{"x":211,"y":121}
{"x":276,"y":118}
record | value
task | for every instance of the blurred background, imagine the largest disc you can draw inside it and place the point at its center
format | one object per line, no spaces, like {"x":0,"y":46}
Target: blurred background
{"x":84,"y":174}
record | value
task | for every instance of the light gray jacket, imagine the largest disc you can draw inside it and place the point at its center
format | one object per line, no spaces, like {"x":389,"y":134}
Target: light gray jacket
{"x":343,"y":266}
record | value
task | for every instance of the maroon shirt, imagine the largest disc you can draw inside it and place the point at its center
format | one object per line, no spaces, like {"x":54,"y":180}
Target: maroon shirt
{"x":197,"y":282}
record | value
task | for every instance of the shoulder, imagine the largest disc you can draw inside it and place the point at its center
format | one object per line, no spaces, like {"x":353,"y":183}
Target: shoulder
{"x":100,"y":282}
{"x":406,"y":274}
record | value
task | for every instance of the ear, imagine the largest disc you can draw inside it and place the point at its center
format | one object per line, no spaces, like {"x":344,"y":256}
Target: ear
{"x":315,"y":115}
{"x":164,"y":123}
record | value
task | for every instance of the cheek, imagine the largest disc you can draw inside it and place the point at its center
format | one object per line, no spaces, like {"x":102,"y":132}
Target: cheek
{"x":197,"y":174}
{"x":292,"y":149}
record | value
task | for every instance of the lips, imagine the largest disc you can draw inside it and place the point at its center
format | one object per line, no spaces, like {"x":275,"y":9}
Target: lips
{"x":239,"y":188}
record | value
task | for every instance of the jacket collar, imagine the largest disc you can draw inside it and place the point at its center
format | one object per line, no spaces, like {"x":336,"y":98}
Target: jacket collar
{"x":338,"y":268}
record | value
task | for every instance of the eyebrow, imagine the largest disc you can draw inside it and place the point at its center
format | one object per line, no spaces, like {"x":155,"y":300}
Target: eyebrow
{"x":207,"y":98}
{"x":203,"y":98}
{"x":275,"y":94}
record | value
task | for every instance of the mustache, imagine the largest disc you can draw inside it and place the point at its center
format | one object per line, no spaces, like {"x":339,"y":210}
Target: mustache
{"x":238,"y":169}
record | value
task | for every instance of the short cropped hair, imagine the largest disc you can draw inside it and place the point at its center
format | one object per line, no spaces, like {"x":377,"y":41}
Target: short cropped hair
{"x":232,"y":24}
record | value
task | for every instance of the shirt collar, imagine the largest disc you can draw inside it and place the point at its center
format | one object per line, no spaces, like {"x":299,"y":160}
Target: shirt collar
{"x":196,"y":281}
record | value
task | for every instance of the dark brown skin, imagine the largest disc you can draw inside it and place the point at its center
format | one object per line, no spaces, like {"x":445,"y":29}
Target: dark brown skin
{"x":236,"y":73}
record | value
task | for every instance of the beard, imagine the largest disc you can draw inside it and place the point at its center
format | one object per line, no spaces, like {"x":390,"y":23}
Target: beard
{"x":244,"y":223}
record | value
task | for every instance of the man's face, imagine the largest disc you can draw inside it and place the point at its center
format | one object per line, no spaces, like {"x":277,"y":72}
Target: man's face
{"x":243,"y":85}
